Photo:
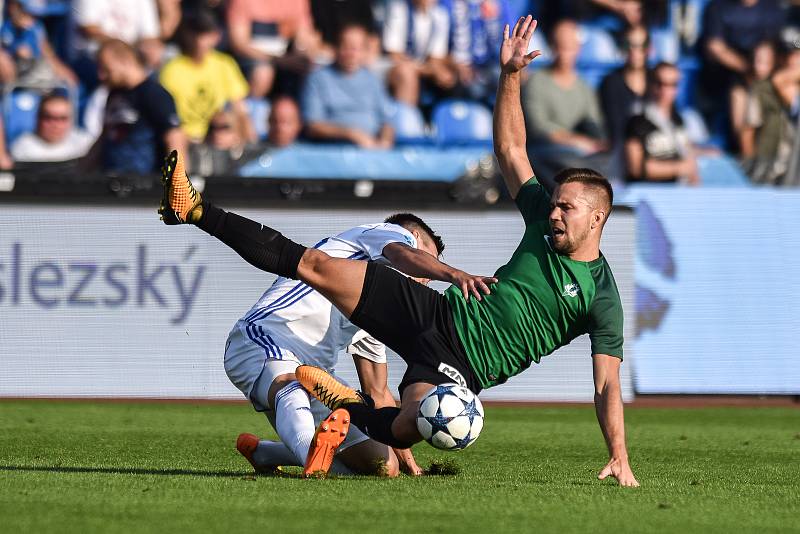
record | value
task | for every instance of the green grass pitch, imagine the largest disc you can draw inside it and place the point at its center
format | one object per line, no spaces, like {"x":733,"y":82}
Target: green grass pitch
{"x":128,"y":467}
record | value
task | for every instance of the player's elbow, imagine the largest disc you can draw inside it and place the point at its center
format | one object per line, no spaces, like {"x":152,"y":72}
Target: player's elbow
{"x":507,"y":153}
{"x":315,"y":267}
{"x":400,"y":255}
{"x":608,"y":385}
{"x":715,"y":48}
{"x":504,"y":148}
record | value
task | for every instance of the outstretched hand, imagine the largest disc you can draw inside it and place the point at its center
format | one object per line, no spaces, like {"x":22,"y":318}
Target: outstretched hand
{"x":621,"y":470}
{"x":471,"y":284}
{"x":513,"y":52}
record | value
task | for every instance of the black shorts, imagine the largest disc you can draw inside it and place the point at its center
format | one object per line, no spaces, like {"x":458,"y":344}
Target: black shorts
{"x":416,"y":322}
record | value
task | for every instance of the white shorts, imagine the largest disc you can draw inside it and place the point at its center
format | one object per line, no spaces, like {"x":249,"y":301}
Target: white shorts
{"x":253,"y":375}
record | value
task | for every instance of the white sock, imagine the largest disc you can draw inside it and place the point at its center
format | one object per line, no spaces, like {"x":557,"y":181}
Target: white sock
{"x":293,"y":420}
{"x":276,"y":453}
{"x":273,"y":453}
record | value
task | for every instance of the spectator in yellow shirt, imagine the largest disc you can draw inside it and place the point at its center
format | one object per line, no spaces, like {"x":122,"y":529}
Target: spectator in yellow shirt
{"x":203,"y":80}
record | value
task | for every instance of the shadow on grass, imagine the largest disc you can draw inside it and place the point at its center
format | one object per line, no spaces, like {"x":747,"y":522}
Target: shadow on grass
{"x":437,"y":468}
{"x":446,"y":467}
{"x":127,"y":471}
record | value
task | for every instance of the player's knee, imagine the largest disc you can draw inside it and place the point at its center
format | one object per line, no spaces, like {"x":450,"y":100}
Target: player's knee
{"x":314,"y":265}
{"x":404,"y":427}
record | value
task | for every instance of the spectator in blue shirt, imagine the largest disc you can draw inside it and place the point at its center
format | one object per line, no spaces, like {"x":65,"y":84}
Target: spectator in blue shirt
{"x":140,"y":122}
{"x":732,"y":30}
{"x":26,"y":57}
{"x":476,"y":33}
{"x":346,"y":102}
{"x":735,"y":27}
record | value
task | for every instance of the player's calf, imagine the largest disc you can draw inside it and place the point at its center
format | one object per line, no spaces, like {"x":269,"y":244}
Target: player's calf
{"x":259,"y":245}
{"x":370,"y":458}
{"x":404,"y":426}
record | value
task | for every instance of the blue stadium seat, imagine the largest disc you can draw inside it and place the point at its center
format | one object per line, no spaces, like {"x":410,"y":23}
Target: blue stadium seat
{"x":690,"y":70}
{"x":48,"y":8}
{"x":258,"y":109}
{"x":666,"y":45}
{"x":695,"y":126}
{"x":597,"y":46}
{"x":409,"y":125}
{"x":521,"y":8}
{"x":607,"y":22}
{"x":539,"y":42}
{"x":19,"y":112}
{"x":461,"y":122}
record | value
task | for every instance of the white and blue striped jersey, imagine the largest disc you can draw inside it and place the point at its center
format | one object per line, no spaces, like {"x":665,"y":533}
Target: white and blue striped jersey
{"x":293,"y":321}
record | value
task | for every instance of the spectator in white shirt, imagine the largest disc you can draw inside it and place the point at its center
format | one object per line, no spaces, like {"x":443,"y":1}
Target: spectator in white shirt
{"x":132,"y":21}
{"x":56,"y":138}
{"x":416,"y":37}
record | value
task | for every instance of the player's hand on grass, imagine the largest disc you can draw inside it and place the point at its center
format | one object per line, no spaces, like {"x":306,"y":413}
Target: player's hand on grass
{"x":411,"y":468}
{"x":621,"y":470}
{"x":514,"y":54}
{"x":408,"y":464}
{"x":471,"y":284}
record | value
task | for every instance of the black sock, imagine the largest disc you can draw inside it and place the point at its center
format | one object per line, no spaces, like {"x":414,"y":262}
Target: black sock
{"x":376,"y":423}
{"x":259,"y":245}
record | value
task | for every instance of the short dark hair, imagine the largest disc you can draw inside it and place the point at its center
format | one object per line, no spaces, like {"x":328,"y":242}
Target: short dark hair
{"x":409,"y":221}
{"x":589,"y":178}
{"x":665,"y":65}
{"x":121,"y":50}
{"x":633,"y":29}
{"x":51,"y":97}
{"x":194,"y":24}
{"x":563,"y":21}
{"x":346,"y":27}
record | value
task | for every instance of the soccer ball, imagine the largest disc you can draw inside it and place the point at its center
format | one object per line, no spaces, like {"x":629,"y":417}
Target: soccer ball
{"x":450,"y":417}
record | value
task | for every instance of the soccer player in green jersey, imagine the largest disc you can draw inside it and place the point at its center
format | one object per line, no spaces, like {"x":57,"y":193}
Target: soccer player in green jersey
{"x":556,"y":287}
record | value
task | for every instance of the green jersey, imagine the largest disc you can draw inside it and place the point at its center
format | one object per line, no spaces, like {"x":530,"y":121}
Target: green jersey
{"x":542,"y":301}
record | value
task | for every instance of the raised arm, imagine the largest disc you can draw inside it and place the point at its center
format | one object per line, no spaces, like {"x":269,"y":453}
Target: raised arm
{"x":608,"y":405}
{"x":509,"y":123}
{"x":419,"y":264}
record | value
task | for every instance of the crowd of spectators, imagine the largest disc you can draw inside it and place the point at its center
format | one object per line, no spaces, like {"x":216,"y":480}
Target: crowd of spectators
{"x":154,"y":75}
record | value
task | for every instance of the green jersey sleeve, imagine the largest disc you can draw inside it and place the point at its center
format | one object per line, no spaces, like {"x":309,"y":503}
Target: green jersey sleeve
{"x":533,"y":201}
{"x":606,"y":317}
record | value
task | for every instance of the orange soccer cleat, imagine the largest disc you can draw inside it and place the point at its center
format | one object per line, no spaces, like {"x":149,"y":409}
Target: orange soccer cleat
{"x":246,"y":445}
{"x":330,"y":434}
{"x":326,"y":389}
{"x":180,"y":203}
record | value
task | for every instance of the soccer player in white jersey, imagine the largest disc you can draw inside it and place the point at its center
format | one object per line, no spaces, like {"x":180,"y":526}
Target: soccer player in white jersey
{"x":291,"y":324}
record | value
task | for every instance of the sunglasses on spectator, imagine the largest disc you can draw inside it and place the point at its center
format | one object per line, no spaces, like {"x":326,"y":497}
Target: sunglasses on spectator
{"x":627,"y":45}
{"x":51,"y":117}
{"x":220,"y":126}
{"x":662,"y":83}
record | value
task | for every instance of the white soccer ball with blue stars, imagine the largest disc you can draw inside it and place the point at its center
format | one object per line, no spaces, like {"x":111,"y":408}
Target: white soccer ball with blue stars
{"x":450,"y":417}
